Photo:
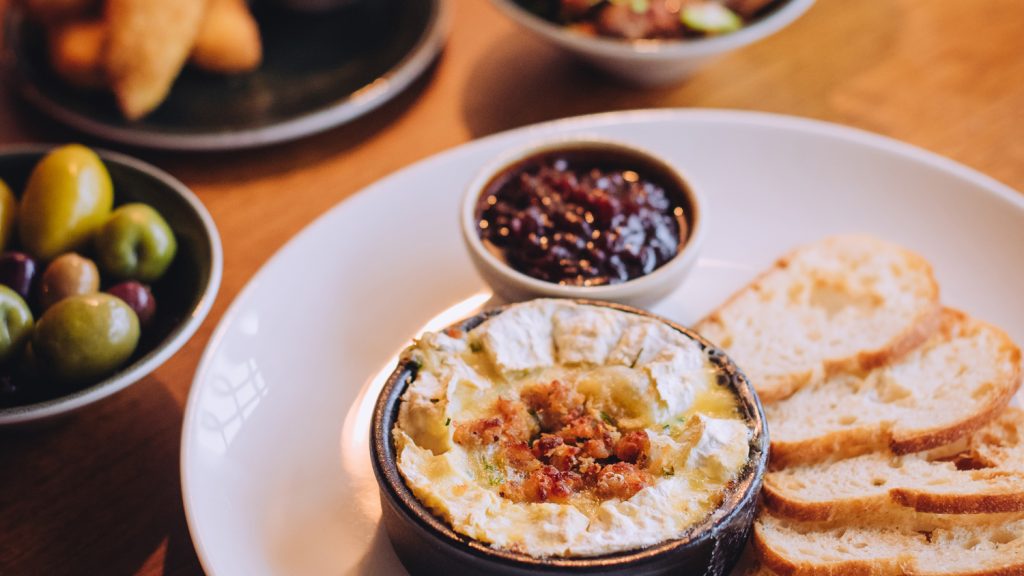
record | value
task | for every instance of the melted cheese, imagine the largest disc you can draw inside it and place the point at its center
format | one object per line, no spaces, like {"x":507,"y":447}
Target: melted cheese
{"x":632,"y":369}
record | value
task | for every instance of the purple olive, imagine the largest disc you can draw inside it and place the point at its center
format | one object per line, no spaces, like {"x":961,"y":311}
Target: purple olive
{"x":138,"y":297}
{"x":18,"y":272}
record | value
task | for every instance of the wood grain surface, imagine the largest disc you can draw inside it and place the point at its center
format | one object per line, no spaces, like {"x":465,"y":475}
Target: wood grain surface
{"x":99,"y":492}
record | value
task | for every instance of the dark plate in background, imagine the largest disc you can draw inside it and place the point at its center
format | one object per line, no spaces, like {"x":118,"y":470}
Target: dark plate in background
{"x":319,"y":70}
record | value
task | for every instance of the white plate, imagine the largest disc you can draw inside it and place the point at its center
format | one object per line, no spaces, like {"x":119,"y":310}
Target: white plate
{"x":275,"y":458}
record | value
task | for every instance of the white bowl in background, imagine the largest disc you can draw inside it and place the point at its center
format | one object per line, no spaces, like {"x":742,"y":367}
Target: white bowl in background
{"x":652,"y":62}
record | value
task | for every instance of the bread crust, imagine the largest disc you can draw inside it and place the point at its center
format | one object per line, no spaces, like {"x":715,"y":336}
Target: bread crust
{"x":853,"y":442}
{"x":903,"y":565}
{"x":780,"y":387}
{"x":924,"y":326}
{"x":928,"y":439}
{"x":783,"y":566}
{"x":780,"y":505}
{"x":959,"y":503}
{"x":785,"y":507}
{"x":834,"y":445}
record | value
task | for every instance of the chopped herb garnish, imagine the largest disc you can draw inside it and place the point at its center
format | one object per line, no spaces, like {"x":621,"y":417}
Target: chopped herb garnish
{"x":666,"y":427}
{"x":608,"y":419}
{"x":448,"y":421}
{"x":475,"y":347}
{"x":494,"y":475}
{"x":637,"y":359}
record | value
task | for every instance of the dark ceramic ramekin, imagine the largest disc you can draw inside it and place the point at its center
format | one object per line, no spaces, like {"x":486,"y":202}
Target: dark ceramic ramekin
{"x":427,"y":545}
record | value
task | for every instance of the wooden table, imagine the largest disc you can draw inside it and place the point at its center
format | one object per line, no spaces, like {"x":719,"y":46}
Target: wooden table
{"x":99,"y":492}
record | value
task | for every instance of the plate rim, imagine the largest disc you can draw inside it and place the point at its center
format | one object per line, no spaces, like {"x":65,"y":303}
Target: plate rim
{"x":360,"y":102}
{"x":540,"y":131}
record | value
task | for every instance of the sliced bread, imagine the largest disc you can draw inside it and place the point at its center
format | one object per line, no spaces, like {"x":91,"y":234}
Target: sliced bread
{"x":986,"y":476}
{"x":917,"y":544}
{"x":952,"y":385}
{"x":843,"y":304}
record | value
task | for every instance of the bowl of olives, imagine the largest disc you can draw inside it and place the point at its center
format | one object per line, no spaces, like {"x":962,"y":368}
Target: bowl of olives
{"x":107,"y":267}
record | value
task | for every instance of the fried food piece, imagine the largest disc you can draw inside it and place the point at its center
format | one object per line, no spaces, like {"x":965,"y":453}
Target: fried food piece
{"x":52,"y":11}
{"x":229,"y":39}
{"x":76,"y":52}
{"x":148,"y":44}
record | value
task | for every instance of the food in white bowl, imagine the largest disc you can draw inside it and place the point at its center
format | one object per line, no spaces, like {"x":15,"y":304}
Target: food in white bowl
{"x":651,"y":19}
{"x":567,"y":429}
{"x":583,"y":218}
{"x":653,"y":51}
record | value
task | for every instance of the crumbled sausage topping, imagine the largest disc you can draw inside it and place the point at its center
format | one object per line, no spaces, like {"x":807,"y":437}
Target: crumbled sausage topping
{"x":555,"y":448}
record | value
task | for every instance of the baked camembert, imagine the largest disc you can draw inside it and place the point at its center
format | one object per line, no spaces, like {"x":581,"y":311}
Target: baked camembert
{"x":563,"y":429}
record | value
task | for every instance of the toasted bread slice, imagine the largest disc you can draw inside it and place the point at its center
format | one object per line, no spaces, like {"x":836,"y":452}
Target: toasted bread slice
{"x":949,"y":387}
{"x":918,"y":544}
{"x":986,"y":476}
{"x":843,"y":304}
{"x":147,"y":45}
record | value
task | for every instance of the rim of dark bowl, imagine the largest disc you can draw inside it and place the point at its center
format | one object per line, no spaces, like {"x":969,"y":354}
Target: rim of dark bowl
{"x":746,"y":487}
{"x":172,"y":341}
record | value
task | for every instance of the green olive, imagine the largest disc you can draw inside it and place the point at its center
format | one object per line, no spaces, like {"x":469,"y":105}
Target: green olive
{"x":68,"y":275}
{"x":84,"y":338}
{"x":8,"y":208}
{"x":68,"y":196}
{"x":15,"y":324}
{"x":135,"y":243}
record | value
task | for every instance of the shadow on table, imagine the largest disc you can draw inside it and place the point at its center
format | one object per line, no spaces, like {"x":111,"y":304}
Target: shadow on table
{"x":519,"y":80}
{"x":381,"y":557}
{"x":97,"y":492}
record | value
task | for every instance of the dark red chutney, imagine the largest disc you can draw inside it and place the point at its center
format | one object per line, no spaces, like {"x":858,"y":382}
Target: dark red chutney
{"x":583,"y":217}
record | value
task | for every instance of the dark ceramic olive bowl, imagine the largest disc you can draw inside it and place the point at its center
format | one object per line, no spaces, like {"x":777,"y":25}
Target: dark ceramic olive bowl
{"x":183,"y":295}
{"x":427,"y":545}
